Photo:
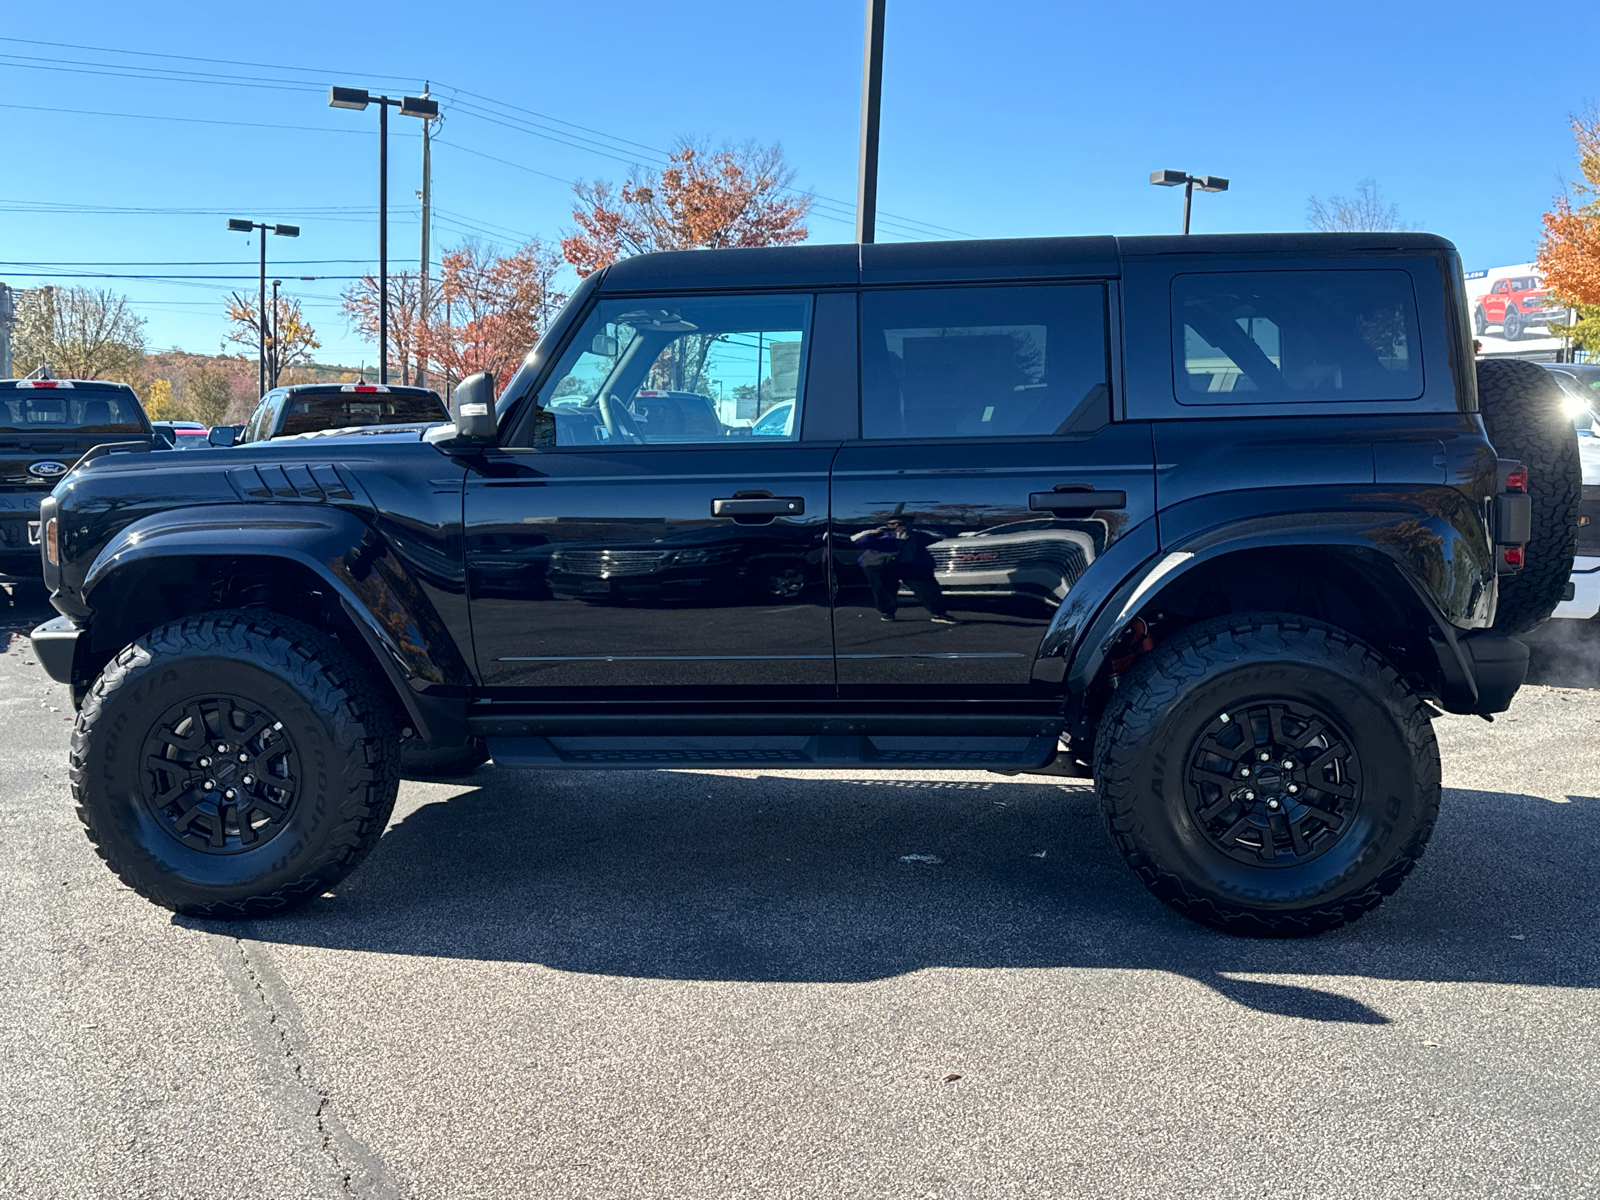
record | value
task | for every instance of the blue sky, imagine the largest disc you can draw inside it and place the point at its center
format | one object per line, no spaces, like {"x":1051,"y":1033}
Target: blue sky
{"x":1005,"y":119}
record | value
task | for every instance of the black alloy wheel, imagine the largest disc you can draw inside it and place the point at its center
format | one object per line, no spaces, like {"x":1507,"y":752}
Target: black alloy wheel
{"x":1273,"y":783}
{"x":234,"y":764}
{"x":221,"y":774}
{"x":1267,"y":774}
{"x":1512,"y":326}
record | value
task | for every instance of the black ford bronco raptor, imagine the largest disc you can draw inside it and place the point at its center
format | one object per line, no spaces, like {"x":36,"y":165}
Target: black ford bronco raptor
{"x":1220,"y":522}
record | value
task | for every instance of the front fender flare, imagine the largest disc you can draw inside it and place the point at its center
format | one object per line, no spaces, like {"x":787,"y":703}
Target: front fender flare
{"x":394,"y":615}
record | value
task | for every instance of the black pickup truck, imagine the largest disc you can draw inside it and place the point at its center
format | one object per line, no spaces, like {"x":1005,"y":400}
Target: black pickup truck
{"x":1215,"y":521}
{"x":46,"y":426}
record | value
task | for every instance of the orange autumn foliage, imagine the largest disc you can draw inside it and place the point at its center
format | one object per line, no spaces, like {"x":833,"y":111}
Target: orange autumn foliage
{"x":1569,"y":252}
{"x":735,"y":196}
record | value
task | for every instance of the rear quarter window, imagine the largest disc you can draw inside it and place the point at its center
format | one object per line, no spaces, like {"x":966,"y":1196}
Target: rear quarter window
{"x":1307,"y":336}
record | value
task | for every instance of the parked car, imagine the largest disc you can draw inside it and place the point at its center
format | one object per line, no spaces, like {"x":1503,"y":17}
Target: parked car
{"x":313,"y":408}
{"x":1514,"y":304}
{"x":180,"y":435}
{"x":1580,"y":382}
{"x":1348,"y":534}
{"x":46,"y":426}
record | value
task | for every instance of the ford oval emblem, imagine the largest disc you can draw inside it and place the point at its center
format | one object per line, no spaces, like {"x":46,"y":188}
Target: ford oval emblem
{"x":48,"y":469}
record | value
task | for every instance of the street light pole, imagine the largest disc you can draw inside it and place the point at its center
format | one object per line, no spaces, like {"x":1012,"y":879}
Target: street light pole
{"x":1206,"y":183}
{"x":242,"y":226}
{"x":871,"y":102}
{"x":409,"y":106}
{"x":277,"y":356}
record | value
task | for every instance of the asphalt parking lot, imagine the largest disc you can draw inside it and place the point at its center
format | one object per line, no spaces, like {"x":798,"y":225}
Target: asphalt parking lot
{"x":721,"y":984}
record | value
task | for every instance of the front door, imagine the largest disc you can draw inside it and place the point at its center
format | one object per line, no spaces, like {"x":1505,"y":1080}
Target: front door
{"x":989,"y":475}
{"x":663,"y":530}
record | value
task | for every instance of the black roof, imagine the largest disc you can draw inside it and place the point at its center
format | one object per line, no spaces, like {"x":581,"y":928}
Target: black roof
{"x":957,"y":261}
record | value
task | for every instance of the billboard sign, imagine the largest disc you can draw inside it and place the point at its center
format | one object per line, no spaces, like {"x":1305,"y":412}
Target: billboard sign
{"x":1512,"y":311}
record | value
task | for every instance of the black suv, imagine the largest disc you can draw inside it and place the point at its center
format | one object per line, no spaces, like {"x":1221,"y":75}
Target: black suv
{"x":46,"y":426}
{"x":1213,"y":520}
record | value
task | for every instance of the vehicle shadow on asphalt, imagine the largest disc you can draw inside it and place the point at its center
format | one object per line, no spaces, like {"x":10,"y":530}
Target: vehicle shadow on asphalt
{"x":683,"y":875}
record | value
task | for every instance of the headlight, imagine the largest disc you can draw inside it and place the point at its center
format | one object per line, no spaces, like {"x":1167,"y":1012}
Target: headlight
{"x":690,"y":556}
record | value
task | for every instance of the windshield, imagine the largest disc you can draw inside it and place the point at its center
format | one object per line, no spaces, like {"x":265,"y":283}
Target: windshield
{"x":108,"y":412}
{"x":340,"y":410}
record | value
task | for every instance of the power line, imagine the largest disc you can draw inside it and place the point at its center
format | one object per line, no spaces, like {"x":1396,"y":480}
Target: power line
{"x":90,"y":112}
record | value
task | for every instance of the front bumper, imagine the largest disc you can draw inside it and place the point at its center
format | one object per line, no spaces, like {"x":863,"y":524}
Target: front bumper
{"x":55,"y":645}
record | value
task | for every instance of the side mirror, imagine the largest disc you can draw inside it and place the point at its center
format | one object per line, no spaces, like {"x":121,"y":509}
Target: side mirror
{"x":223,"y":435}
{"x":472,"y":408}
{"x":604,"y":345}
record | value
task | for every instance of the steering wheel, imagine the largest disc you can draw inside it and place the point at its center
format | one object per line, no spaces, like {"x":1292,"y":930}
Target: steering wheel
{"x":618,"y":420}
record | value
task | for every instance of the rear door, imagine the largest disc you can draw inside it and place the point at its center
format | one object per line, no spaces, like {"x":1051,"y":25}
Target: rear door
{"x":613,"y":552}
{"x":988,"y":477}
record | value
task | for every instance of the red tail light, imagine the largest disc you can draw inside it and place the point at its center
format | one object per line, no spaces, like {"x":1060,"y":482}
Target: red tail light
{"x":1517,"y":481}
{"x":1513,"y":556}
{"x":45,"y":383}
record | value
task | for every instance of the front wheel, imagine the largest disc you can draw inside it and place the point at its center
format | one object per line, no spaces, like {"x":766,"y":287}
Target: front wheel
{"x":1511,"y":327}
{"x":234,"y":764}
{"x":1267,"y":775}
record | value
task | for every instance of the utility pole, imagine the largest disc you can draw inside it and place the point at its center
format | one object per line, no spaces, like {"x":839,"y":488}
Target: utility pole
{"x":871,"y":100}
{"x":427,"y":199}
{"x":7,"y":313}
{"x":275,"y":368}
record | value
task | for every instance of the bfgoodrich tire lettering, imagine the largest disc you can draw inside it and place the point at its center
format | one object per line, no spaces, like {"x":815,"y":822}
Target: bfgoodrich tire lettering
{"x":1337,"y":869}
{"x":178,"y":721}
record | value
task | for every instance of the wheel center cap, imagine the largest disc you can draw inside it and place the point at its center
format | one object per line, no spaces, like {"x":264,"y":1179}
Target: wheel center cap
{"x":225,"y":770}
{"x":1269,"y":779}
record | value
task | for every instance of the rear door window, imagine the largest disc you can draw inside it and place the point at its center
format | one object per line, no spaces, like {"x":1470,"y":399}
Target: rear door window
{"x":984,"y":362}
{"x":1313,"y":336}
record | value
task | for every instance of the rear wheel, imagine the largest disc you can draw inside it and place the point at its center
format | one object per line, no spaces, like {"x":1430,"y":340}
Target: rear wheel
{"x":1267,"y":775}
{"x":1480,"y":323}
{"x":234,"y":764}
{"x":1525,"y":415}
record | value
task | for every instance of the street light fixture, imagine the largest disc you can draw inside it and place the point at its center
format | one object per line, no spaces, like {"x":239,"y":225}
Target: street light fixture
{"x":1206,"y":183}
{"x":240,"y":226}
{"x":410,"y":106}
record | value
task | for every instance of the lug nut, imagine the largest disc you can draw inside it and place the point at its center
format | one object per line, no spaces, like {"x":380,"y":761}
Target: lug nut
{"x":228,"y":795}
{"x":209,"y":785}
{"x":205,"y":762}
{"x":1293,"y":788}
{"x":244,"y":758}
{"x":222,"y":749}
{"x":1288,"y":764}
{"x":1249,"y":795}
{"x":1273,"y":804}
{"x":248,"y":780}
{"x":1263,"y":756}
{"x":1244,"y":772}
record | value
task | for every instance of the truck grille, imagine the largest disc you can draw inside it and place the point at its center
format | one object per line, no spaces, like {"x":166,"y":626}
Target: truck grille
{"x":608,"y":564}
{"x":1067,"y":557}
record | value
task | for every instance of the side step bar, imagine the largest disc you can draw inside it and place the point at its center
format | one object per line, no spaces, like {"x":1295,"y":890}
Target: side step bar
{"x":884,"y":752}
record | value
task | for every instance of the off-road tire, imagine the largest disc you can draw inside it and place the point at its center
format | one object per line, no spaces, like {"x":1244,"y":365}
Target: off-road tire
{"x":1146,"y":743}
{"x":1524,"y":413}
{"x":328,"y":707}
{"x":418,"y":760}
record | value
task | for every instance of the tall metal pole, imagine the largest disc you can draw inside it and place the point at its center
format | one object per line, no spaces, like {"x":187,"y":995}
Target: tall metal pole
{"x":427,"y":198}
{"x":1188,"y":199}
{"x":383,"y":239}
{"x":276,"y":356}
{"x":6,"y":313}
{"x":261,"y":375}
{"x":871,"y":98}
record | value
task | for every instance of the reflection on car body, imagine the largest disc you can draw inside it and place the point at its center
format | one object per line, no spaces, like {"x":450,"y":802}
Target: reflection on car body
{"x":709,"y":565}
{"x":1039,"y":560}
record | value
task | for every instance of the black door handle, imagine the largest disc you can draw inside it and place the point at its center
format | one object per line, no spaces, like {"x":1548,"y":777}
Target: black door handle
{"x":1076,"y":501}
{"x":759,"y":506}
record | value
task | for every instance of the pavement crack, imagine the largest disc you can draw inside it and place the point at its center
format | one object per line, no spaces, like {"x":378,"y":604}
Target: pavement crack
{"x":281,"y":1037}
